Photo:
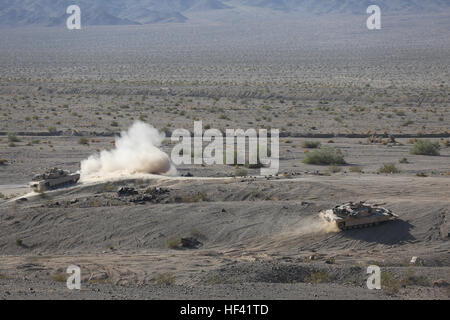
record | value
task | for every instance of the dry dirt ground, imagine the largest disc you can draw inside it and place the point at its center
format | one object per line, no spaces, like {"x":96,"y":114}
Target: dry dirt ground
{"x":260,"y":237}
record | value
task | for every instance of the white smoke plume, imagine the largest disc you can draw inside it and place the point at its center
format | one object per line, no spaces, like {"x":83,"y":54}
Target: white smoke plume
{"x":136,"y":151}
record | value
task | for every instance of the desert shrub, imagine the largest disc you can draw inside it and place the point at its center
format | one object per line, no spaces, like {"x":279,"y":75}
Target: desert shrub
{"x":84,"y":141}
{"x":213,"y":280}
{"x":19,"y":242}
{"x":3,"y":162}
{"x":51,"y":129}
{"x":12,"y":137}
{"x":60,"y":277}
{"x":410,"y":279}
{"x":173,"y":243}
{"x":240,"y":173}
{"x":331,"y":260}
{"x":426,"y":148}
{"x":389,"y":168}
{"x":403,"y":160}
{"x":389,"y":283}
{"x":310,"y":144}
{"x":421,"y":174}
{"x":407,"y":123}
{"x":356,"y":169}
{"x":324,"y":156}
{"x":446,"y":143}
{"x":167,"y":279}
{"x":109,"y":187}
{"x":114,"y":124}
{"x":318,"y":277}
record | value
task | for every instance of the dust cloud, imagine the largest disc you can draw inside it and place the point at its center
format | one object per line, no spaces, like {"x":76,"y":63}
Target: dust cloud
{"x":314,"y":225}
{"x":137,"y":151}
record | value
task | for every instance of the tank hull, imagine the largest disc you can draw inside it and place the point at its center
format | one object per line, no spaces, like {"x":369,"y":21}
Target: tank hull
{"x":49,"y":184}
{"x":367,"y":216}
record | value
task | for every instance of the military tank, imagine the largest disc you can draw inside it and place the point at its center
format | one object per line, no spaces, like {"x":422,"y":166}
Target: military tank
{"x":358,"y":215}
{"x":52,"y":179}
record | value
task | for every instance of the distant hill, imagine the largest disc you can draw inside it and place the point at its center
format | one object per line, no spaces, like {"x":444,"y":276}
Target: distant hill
{"x":128,"y":12}
{"x":350,"y":6}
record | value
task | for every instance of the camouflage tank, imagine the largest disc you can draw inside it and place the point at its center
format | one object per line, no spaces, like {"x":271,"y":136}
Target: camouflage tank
{"x":358,"y":215}
{"x":53,"y":179}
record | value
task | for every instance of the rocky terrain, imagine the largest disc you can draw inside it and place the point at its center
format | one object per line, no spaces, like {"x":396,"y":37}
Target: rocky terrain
{"x":224,"y":231}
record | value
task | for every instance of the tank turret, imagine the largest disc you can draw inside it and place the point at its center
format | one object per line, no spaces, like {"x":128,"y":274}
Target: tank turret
{"x":52,"y":179}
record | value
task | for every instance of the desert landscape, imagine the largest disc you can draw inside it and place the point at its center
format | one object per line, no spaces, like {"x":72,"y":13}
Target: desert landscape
{"x":378,"y":101}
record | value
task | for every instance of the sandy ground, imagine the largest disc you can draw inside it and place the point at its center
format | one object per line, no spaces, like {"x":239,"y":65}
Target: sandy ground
{"x":253,"y":230}
{"x":260,"y":237}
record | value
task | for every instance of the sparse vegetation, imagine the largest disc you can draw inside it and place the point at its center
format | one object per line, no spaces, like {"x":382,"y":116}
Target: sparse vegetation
{"x":389,"y":168}
{"x":52,"y":129}
{"x":356,"y":169}
{"x":446,"y":143}
{"x":60,"y":277}
{"x":12,"y":137}
{"x":425,"y":148}
{"x":173,"y":243}
{"x":318,"y":277}
{"x":411,"y":279}
{"x":389,"y":283}
{"x":334,"y":169}
{"x":421,"y":174}
{"x":83,"y":141}
{"x":167,"y":279}
{"x":213,"y":280}
{"x":325,"y":156}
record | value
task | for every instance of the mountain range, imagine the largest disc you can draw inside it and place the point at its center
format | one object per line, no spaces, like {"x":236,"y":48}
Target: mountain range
{"x":15,"y":13}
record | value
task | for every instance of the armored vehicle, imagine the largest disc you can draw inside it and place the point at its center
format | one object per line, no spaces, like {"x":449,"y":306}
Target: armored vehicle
{"x":358,"y":215}
{"x":53,"y":179}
